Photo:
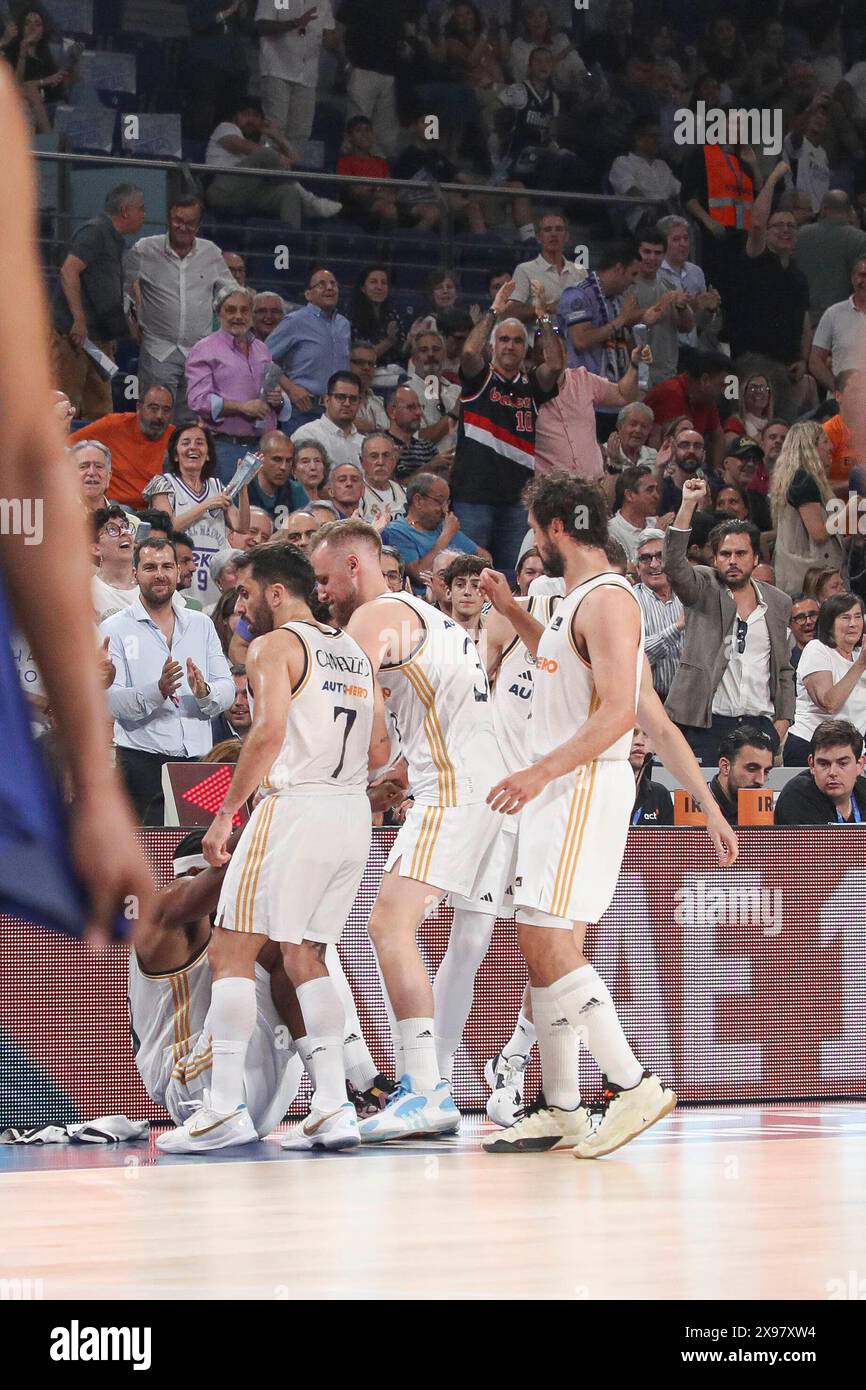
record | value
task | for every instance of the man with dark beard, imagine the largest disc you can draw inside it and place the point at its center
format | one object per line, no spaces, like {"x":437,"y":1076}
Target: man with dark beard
{"x":171,"y":678}
{"x":318,"y":728}
{"x":591,"y":686}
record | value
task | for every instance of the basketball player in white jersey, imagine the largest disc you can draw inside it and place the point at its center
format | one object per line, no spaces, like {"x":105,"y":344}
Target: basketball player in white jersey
{"x":295,"y":873}
{"x":169,"y":995}
{"x":509,"y":665}
{"x":591,"y":687}
{"x":436,"y":689}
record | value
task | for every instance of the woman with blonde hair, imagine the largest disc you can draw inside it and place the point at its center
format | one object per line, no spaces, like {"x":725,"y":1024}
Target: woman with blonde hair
{"x":799,"y":494}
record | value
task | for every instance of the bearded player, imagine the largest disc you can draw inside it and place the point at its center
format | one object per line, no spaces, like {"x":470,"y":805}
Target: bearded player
{"x":591,"y":688}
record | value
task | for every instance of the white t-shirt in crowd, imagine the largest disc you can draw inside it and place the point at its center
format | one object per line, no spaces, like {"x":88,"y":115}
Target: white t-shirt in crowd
{"x":293,"y":56}
{"x":216,"y":155}
{"x":108,"y":598}
{"x":807,"y":715}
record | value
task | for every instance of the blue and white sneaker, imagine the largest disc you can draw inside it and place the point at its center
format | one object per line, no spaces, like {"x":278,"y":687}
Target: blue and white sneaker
{"x":412,"y":1114}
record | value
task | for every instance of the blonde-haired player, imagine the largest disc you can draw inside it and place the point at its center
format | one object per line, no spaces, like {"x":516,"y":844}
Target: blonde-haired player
{"x":436,"y":689}
{"x":575,"y":800}
{"x":295,"y":873}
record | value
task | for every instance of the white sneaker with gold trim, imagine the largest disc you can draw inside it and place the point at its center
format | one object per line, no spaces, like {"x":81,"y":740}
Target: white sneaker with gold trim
{"x":207,"y":1129}
{"x":326,"y":1129}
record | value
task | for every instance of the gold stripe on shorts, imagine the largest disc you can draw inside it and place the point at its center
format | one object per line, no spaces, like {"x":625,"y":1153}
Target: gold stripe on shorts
{"x":581,"y":803}
{"x":438,"y":817}
{"x":252,"y":868}
{"x":426,"y":842}
{"x":584,"y":782}
{"x":435,"y":737}
{"x":179,"y":985}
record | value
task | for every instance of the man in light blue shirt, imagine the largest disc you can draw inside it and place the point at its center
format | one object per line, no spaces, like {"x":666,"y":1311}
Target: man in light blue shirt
{"x":428,"y":527}
{"x":171,"y":678}
{"x":311,"y":345}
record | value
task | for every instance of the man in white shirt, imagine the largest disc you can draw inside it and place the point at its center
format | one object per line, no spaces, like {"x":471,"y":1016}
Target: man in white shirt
{"x":677,"y":272}
{"x":439,"y":397}
{"x":171,"y":679}
{"x":113,"y":587}
{"x":379,"y":457}
{"x":641,"y":174}
{"x":840,"y":338}
{"x":637,"y":500}
{"x":291,"y":35}
{"x":250,"y":141}
{"x":550,"y":267}
{"x":803,"y":152}
{"x":172,"y":279}
{"x":336,"y":430}
{"x":372,"y":414}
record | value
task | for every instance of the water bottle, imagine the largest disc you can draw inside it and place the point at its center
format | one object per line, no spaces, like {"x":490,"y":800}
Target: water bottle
{"x":270,"y":381}
{"x":643,"y":372}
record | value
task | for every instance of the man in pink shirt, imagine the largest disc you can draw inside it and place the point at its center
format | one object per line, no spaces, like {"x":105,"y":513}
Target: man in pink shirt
{"x":565,"y":429}
{"x":229,"y":383}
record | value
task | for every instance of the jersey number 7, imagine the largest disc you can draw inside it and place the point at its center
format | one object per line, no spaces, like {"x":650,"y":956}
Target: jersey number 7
{"x":351,"y":716}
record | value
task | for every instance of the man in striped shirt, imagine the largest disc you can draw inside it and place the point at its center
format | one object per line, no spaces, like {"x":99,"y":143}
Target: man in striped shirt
{"x":663,"y":614}
{"x":499,"y":403}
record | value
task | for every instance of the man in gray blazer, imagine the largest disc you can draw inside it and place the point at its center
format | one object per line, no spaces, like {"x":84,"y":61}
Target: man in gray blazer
{"x":736,"y":661}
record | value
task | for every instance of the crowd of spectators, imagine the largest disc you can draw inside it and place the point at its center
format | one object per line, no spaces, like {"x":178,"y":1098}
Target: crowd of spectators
{"x":722,"y":431}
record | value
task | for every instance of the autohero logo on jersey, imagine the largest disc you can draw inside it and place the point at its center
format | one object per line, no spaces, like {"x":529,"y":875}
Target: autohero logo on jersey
{"x":77,"y":1343}
{"x":351,"y":665}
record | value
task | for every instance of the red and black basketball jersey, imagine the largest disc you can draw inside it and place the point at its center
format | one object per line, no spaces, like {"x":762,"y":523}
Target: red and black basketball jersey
{"x":496,"y":436}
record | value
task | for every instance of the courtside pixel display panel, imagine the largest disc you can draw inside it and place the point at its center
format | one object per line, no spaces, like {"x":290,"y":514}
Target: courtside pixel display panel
{"x":734,"y":985}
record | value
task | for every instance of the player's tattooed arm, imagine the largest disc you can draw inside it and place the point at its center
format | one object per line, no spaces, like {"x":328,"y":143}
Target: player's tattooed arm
{"x":670,"y":745}
{"x":380,"y":738}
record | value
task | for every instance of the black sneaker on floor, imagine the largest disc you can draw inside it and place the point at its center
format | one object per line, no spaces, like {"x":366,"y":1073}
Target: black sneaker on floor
{"x":374,"y":1099}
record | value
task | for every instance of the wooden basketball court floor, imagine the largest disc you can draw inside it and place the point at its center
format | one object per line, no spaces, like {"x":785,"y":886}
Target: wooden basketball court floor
{"x":748,"y":1201}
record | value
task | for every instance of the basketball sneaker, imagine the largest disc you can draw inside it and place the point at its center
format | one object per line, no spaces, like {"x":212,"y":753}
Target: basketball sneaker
{"x":627,"y":1114}
{"x":542,"y":1127}
{"x":323,"y":1129}
{"x":411,"y":1114}
{"x":374,"y":1099}
{"x":505,"y":1077}
{"x":206,"y":1129}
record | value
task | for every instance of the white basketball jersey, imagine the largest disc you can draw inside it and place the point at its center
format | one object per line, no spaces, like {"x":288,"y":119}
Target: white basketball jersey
{"x":512,"y":692}
{"x":165,"y":1012}
{"x":440,"y":700}
{"x":330,"y":724}
{"x":564,"y":694}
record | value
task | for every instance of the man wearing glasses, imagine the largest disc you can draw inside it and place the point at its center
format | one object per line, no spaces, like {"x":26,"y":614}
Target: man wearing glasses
{"x":311,"y":345}
{"x":113,"y":586}
{"x":663,"y":614}
{"x":769,"y":314}
{"x":736,"y":659}
{"x":336,"y":431}
{"x":171,"y":279}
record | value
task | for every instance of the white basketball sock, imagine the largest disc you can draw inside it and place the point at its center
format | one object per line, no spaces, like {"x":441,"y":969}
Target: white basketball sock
{"x":521,"y":1040}
{"x":324,"y":1020}
{"x":468,"y":942}
{"x":558,"y":1050}
{"x":230,"y":1021}
{"x":585,"y":1000}
{"x":419,"y":1052}
{"x":359,"y":1066}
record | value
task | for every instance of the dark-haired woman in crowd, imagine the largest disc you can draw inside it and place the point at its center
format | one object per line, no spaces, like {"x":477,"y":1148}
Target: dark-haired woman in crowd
{"x":42,"y":80}
{"x":373,"y":316}
{"x":197,"y":503}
